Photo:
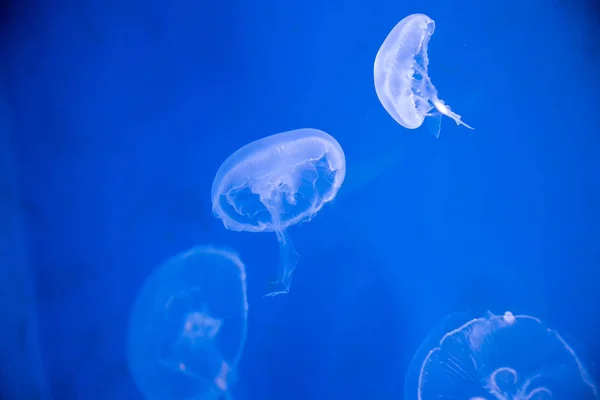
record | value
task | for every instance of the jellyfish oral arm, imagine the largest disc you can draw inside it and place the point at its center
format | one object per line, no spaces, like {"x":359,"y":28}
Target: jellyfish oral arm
{"x":288,"y":255}
{"x":288,"y":261}
{"x":445,"y":110}
{"x":287,"y":264}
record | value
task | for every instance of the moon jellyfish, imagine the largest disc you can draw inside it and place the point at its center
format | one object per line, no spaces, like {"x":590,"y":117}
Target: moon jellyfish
{"x":505,"y":357}
{"x":188,"y":327}
{"x":402,"y":83}
{"x":276,"y":182}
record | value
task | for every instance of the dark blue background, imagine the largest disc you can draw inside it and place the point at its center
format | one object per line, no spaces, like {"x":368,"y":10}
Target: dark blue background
{"x":122,"y":111}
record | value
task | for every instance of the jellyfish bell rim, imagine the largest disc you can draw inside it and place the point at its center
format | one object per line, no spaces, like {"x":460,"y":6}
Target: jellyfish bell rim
{"x":248,"y":153}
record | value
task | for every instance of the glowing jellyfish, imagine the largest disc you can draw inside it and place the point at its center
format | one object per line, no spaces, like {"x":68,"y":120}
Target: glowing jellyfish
{"x":188,"y":327}
{"x":506,"y":357}
{"x":401,"y":81}
{"x":276,"y":182}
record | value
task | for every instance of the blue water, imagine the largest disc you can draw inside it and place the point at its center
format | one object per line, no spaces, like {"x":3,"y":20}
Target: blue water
{"x":121,"y":112}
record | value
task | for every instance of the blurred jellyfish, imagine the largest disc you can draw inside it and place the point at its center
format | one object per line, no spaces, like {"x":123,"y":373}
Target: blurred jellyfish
{"x":506,"y":357}
{"x":401,"y":81}
{"x":188,"y":327}
{"x":276,"y":182}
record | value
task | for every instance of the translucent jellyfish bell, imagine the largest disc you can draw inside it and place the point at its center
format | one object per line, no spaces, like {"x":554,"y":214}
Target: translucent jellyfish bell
{"x":276,"y":182}
{"x":401,"y":80}
{"x":506,"y":357}
{"x":188,"y":327}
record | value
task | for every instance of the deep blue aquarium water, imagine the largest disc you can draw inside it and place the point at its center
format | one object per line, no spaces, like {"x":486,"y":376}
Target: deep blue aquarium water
{"x":464,"y":265}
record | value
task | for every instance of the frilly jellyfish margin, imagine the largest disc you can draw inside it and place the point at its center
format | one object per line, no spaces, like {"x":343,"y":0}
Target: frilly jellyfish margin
{"x":275,"y":182}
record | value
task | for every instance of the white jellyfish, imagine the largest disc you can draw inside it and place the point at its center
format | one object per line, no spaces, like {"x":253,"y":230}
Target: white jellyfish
{"x":276,"y":182}
{"x":401,"y":80}
{"x":498,"y":357}
{"x":187,"y":329}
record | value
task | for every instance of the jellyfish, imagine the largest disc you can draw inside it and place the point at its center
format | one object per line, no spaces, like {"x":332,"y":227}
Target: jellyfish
{"x":498,"y":357}
{"x":401,"y":80}
{"x":276,"y":182}
{"x":188,"y":327}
